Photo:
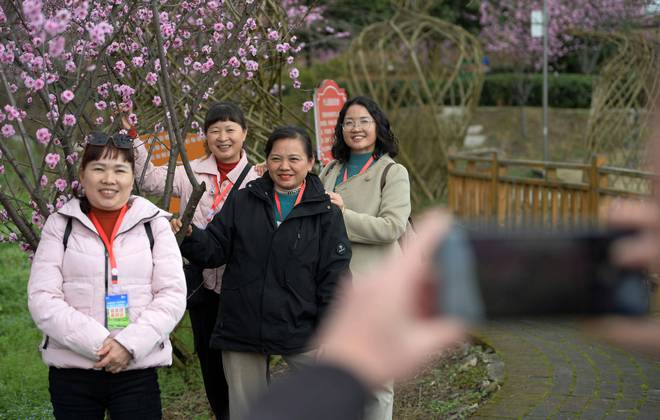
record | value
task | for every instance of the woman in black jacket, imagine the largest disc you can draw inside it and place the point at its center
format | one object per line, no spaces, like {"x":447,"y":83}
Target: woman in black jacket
{"x":286,"y":248}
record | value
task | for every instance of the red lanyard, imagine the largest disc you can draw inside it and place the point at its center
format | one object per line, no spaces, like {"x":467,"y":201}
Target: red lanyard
{"x":279,"y":206}
{"x":108,"y":242}
{"x":220,"y":195}
{"x":364,"y":168}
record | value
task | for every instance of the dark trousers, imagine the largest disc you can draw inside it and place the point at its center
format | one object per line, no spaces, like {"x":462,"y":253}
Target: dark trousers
{"x":202,"y":319}
{"x":87,"y":394}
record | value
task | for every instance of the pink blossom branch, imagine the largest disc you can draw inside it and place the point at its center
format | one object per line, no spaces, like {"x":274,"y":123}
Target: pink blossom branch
{"x":30,"y":236}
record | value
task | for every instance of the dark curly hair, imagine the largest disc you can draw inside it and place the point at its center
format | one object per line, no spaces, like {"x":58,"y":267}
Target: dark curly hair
{"x":386,"y":142}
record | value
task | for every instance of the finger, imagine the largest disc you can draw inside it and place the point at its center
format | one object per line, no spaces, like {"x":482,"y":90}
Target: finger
{"x":103,"y":362}
{"x":632,"y":214}
{"x":641,"y":335}
{"x":431,"y":229}
{"x":177,"y":223}
{"x":636,"y":251}
{"x":429,"y":336}
{"x":103,"y":350}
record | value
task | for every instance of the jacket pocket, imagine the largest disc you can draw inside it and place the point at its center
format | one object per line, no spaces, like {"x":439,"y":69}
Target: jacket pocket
{"x":299,"y":310}
{"x":303,"y":244}
{"x":139,"y":297}
{"x":79,"y":296}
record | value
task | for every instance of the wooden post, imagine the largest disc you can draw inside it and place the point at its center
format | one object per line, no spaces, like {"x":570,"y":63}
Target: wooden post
{"x":595,"y":183}
{"x":495,"y":173}
{"x":470,"y":190}
{"x":451,"y":187}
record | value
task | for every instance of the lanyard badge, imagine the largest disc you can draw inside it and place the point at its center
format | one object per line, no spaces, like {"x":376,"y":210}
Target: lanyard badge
{"x":219,"y":198}
{"x":364,"y":168}
{"x":278,"y":206}
{"x":116,"y":311}
{"x":116,"y":304}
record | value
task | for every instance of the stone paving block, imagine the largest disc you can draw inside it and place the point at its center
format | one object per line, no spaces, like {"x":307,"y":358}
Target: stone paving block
{"x":593,"y":414}
{"x":653,"y":406}
{"x":653,"y":394}
{"x":626,"y":404}
{"x":545,"y":409}
{"x":575,"y":403}
{"x":584,"y":387}
{"x":648,"y":415}
{"x":609,"y":390}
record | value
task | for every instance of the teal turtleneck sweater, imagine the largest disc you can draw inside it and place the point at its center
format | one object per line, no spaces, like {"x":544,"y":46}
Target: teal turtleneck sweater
{"x":355,"y":163}
{"x":286,"y":204}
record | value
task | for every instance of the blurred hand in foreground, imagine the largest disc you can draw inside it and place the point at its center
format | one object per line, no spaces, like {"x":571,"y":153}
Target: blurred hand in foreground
{"x":641,"y":250}
{"x":383,"y":326}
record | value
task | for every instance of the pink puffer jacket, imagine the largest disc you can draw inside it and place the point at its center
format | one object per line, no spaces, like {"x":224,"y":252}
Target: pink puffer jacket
{"x":66,"y":291}
{"x":205,"y":170}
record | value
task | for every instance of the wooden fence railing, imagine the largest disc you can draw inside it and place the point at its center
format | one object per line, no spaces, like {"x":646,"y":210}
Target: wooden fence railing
{"x":526,"y":192}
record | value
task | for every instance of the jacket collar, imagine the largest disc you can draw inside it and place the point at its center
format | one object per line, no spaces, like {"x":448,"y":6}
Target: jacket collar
{"x":314,"y":199}
{"x":139,"y":210}
{"x":372,"y":171}
{"x":209,"y":166}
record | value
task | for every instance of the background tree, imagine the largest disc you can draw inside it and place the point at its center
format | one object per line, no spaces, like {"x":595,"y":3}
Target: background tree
{"x":506,"y":32}
{"x":68,"y":67}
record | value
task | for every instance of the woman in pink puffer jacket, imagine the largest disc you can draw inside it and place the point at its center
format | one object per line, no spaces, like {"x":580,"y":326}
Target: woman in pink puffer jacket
{"x":100,"y":359}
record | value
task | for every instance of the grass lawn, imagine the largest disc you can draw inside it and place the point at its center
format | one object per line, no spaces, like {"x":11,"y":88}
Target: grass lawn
{"x":24,"y":378}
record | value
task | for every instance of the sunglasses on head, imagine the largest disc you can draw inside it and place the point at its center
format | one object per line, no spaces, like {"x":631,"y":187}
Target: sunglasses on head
{"x":120,"y":141}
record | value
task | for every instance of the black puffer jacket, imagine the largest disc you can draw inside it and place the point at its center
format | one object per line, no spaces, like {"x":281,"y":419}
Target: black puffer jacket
{"x":278,"y":281}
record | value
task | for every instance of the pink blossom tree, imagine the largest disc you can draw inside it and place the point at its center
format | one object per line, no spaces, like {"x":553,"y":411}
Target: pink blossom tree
{"x":506,"y":26}
{"x":506,"y":32}
{"x":322,"y":36}
{"x":70,"y":67}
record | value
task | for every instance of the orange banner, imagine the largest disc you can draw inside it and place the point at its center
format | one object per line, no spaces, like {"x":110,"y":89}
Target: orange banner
{"x":160,"y":154}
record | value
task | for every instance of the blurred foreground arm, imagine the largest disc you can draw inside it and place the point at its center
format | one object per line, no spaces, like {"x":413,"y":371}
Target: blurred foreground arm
{"x":382,"y":327}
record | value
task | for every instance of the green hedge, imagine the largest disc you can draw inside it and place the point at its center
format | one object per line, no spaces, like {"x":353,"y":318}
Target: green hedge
{"x":564,"y":90}
{"x":499,"y":89}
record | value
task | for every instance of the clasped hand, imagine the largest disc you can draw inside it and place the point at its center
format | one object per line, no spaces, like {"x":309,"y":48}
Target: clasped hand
{"x":113,"y":357}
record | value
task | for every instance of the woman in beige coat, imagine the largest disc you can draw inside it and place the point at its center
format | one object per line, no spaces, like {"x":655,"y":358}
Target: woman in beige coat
{"x":373,"y":192}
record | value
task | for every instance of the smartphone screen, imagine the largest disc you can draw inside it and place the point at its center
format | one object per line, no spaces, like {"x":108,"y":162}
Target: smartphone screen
{"x":519,"y":273}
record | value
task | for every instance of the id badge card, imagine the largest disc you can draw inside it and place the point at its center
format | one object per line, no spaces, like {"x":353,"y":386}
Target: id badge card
{"x":116,"y":311}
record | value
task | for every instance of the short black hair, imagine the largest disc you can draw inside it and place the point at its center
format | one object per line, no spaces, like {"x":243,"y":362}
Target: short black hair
{"x":386,"y":142}
{"x":224,"y":111}
{"x":93,"y":153}
{"x":290,"y":132}
{"x":110,"y":151}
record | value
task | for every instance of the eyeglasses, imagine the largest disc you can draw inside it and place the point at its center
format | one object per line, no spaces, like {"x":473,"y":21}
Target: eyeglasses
{"x":120,"y":141}
{"x":350,"y":124}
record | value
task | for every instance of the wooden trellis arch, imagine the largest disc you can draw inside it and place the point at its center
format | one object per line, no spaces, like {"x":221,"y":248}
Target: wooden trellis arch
{"x":624,"y":99}
{"x":427,"y":74}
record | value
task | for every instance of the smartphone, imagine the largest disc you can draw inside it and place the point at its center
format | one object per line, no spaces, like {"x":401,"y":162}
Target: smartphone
{"x":494,"y":273}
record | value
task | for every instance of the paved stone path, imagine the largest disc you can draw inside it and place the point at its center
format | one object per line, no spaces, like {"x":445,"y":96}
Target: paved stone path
{"x":552,"y":371}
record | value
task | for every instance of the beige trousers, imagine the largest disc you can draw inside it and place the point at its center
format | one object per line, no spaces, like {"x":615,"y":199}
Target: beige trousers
{"x":246,"y":375}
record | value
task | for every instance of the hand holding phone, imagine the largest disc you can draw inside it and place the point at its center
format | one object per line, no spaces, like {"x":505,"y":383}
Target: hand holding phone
{"x":496,"y":273}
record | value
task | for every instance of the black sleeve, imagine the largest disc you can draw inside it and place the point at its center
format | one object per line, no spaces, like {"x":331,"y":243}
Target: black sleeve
{"x":317,"y":392}
{"x":334,"y":259}
{"x":209,"y":248}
